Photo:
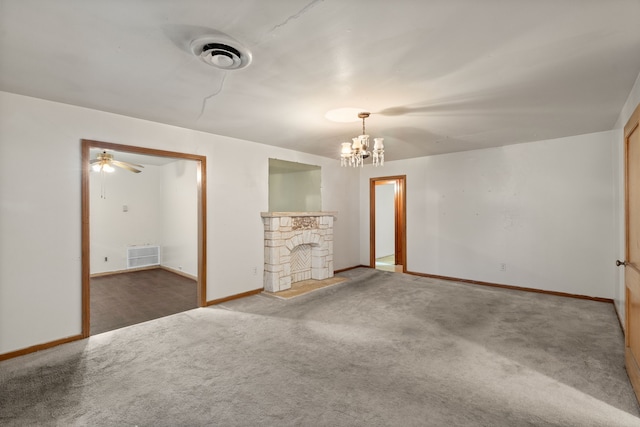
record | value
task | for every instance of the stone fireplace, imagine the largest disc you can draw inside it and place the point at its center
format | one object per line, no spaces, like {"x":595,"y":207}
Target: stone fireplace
{"x":297,"y":246}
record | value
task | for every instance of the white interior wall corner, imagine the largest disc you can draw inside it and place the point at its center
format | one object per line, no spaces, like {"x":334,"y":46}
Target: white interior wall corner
{"x":40,"y":251}
{"x":543,"y":208}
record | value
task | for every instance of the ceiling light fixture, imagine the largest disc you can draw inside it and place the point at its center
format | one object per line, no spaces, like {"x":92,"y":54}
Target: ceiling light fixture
{"x":104,"y":162}
{"x":353,"y":154}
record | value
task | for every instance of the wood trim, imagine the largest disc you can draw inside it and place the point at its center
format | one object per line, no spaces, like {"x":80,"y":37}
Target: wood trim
{"x":372,"y":222}
{"x":130,"y":270}
{"x":140,"y":150}
{"x":400,"y":200}
{"x":201,"y":172}
{"x":86,"y":245}
{"x":628,"y":130}
{"x":634,"y":377}
{"x":631,"y":127}
{"x":179,"y":272}
{"x":39,"y":347}
{"x":514,"y":288}
{"x":627,"y":299}
{"x":633,"y":122}
{"x":202,"y":230}
{"x":631,"y":270}
{"x":152,"y":267}
{"x":401,"y":223}
{"x":615,"y":308}
{"x":350,"y":268}
{"x":236,"y":296}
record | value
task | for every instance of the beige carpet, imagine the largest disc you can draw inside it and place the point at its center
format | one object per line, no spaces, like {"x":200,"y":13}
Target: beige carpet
{"x":381,"y":350}
{"x":306,"y":286}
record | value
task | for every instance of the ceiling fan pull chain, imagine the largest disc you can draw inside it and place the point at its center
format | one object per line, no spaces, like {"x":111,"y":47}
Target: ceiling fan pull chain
{"x":103,"y":187}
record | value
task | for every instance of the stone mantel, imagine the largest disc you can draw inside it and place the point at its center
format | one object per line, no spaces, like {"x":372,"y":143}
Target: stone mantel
{"x":297,"y":246}
{"x":281,"y":214}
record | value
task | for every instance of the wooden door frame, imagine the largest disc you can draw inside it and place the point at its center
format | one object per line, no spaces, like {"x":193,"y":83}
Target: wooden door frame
{"x":633,"y":370}
{"x":400,"y":200}
{"x":201,"y":173}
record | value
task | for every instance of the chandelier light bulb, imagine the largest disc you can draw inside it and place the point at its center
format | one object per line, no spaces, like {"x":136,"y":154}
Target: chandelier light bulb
{"x":354,"y":154}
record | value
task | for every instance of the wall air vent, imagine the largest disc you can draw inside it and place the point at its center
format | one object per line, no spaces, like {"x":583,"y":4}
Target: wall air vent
{"x":143,"y":256}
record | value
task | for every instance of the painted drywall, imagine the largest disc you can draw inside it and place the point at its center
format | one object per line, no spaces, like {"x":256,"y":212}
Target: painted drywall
{"x":295,"y":191}
{"x":179,"y":207}
{"x":40,"y":209}
{"x":125,"y":210}
{"x":633,"y":100}
{"x":385,"y":220}
{"x":545,"y":209}
{"x":155,"y":207}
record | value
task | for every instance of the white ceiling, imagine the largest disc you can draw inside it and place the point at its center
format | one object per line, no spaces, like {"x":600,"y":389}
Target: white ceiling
{"x":440,"y":75}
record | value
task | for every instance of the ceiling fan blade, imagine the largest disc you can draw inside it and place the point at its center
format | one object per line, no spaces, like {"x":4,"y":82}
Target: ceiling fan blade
{"x":133,"y":165}
{"x":94,"y":161}
{"x":124,"y":165}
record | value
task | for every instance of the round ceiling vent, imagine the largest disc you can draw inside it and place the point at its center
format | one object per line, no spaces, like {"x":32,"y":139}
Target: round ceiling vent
{"x":223,"y":54}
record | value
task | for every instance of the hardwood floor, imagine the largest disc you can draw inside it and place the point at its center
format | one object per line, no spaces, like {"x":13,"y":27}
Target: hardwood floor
{"x":125,"y":299}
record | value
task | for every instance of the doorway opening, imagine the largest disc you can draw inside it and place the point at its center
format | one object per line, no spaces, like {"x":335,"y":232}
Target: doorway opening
{"x":387,"y":213}
{"x":153,"y":271}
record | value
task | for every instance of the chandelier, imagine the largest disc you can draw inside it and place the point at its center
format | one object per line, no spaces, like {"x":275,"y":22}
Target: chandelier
{"x":353,"y":154}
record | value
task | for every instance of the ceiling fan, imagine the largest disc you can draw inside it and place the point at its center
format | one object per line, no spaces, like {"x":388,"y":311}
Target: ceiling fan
{"x":105,"y":162}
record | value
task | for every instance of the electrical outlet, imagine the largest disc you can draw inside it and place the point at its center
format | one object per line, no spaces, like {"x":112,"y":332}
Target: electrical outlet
{"x":255,"y":271}
{"x":503,"y":266}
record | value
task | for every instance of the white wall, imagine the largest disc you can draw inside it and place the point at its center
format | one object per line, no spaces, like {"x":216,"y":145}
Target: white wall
{"x":618,"y":171}
{"x":162,"y":210}
{"x":385,"y":220}
{"x":179,"y":207}
{"x":545,"y":209}
{"x":40,"y":209}
{"x":112,"y":229}
{"x":295,"y":191}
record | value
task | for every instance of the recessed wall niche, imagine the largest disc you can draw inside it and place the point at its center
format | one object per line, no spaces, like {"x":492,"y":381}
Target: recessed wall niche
{"x":294,"y":187}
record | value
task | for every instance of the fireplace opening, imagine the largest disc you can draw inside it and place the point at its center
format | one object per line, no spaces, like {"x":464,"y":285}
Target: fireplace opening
{"x":301,"y":263}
